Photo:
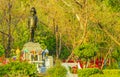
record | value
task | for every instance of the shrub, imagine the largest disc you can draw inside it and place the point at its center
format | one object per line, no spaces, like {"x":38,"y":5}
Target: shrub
{"x":18,"y":69}
{"x":88,"y":71}
{"x":57,"y":71}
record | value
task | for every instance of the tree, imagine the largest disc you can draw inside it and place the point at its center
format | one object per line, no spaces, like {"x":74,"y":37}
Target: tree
{"x":86,"y":51}
{"x":63,"y":25}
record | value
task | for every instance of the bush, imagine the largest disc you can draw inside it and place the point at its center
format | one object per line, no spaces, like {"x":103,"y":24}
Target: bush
{"x":57,"y":71}
{"x":18,"y":69}
{"x":88,"y":71}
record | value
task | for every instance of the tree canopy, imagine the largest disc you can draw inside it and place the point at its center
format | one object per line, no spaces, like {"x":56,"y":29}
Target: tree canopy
{"x":63,"y":25}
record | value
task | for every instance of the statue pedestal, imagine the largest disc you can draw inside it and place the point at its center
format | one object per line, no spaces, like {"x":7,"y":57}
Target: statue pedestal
{"x":32,"y":51}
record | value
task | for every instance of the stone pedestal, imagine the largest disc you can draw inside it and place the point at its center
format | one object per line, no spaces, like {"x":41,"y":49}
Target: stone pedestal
{"x":32,"y":51}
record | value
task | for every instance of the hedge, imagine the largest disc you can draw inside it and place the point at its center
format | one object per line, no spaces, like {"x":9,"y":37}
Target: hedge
{"x":108,"y":73}
{"x":18,"y":69}
{"x":88,"y":71}
{"x":57,"y":71}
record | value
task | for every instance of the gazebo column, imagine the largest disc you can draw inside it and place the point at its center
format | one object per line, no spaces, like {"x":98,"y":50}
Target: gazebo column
{"x":30,"y":58}
{"x":38,"y":57}
{"x":24,"y":56}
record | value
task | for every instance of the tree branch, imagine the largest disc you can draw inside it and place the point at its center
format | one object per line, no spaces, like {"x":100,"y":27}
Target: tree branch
{"x":43,"y":23}
{"x":4,"y":33}
{"x":78,"y":3}
{"x":109,"y":34}
{"x":79,"y":42}
{"x":66,"y":3}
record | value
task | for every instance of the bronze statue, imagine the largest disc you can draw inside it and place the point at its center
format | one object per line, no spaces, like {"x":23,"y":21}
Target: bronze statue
{"x":32,"y":23}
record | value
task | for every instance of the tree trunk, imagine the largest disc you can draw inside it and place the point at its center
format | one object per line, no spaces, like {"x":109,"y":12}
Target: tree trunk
{"x":57,"y":50}
{"x":84,"y":21}
{"x":7,"y":53}
{"x":59,"y":43}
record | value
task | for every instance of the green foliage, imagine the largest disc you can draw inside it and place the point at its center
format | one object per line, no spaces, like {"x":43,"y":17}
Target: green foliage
{"x":108,"y":73}
{"x":86,"y":51}
{"x":113,"y":65}
{"x":45,"y":37}
{"x":57,"y":70}
{"x":114,"y":4}
{"x":116,"y":54}
{"x":50,"y":44}
{"x":112,"y":71}
{"x":2,"y":50}
{"x":18,"y":69}
{"x":64,"y":53}
{"x":69,"y":15}
{"x":88,"y":71}
{"x":21,"y":38}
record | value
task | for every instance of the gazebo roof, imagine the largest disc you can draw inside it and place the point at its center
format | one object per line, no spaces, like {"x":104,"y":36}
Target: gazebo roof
{"x":30,"y":46}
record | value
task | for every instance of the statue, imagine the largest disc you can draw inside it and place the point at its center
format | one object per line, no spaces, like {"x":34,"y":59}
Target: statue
{"x":32,"y":23}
